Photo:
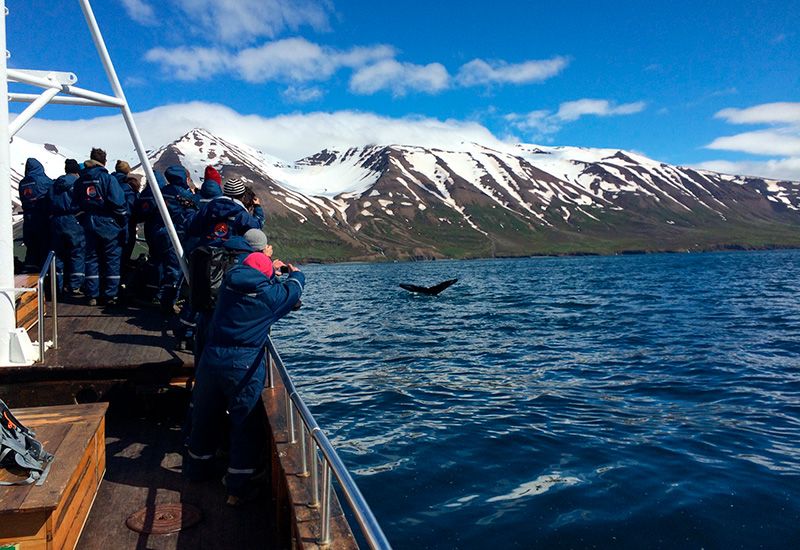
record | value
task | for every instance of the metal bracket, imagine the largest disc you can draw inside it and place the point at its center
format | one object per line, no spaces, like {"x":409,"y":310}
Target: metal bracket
{"x":61,"y":77}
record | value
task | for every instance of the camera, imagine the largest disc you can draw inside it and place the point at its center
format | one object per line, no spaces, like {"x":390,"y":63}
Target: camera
{"x":284,"y":269}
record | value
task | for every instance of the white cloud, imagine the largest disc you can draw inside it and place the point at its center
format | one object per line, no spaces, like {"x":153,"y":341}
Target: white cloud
{"x":288,"y":60}
{"x":288,"y":137}
{"x":784,"y":141}
{"x":400,"y":78}
{"x":783,"y":169}
{"x":140,"y":11}
{"x":573,"y":110}
{"x":239,"y":22}
{"x":301,"y":94}
{"x":479,"y":72}
{"x":766,"y":113}
{"x":543,"y":122}
{"x":190,"y":63}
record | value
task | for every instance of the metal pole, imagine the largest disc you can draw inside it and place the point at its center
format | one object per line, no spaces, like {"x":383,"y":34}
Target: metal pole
{"x":31,"y":110}
{"x":40,"y":303}
{"x":270,"y":373}
{"x":8,"y":321}
{"x":58,"y":100}
{"x":290,"y":416}
{"x":325,"y":514}
{"x":137,"y":141}
{"x":304,"y":461}
{"x":54,"y":298}
{"x":314,"y":476}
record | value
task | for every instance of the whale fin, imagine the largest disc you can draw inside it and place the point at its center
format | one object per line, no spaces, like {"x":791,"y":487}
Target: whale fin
{"x":429,"y":290}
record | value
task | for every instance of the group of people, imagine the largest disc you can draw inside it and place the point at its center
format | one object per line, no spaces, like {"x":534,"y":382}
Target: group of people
{"x":89,"y":217}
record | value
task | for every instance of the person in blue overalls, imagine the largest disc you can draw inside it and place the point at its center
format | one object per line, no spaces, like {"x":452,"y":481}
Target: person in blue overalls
{"x":155,"y":232}
{"x":33,"y":190}
{"x":224,"y":217}
{"x":182,"y":206}
{"x":130,"y":186}
{"x":232,"y":370}
{"x":103,"y":216}
{"x":66,"y":234}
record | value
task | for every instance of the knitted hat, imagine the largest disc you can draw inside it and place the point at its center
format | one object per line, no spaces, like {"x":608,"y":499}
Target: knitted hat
{"x":212,"y":174}
{"x":261,"y":262}
{"x":256,"y":239}
{"x":98,"y":155}
{"x":71,"y":166}
{"x":122,"y":167}
{"x":234,"y":187}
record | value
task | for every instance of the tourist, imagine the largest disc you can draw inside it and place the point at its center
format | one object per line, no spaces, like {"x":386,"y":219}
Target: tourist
{"x":33,"y":190}
{"x":182,"y":206}
{"x":232,"y":372}
{"x":102,"y":203}
{"x":212,"y":185}
{"x":66,"y":234}
{"x":224,"y":217}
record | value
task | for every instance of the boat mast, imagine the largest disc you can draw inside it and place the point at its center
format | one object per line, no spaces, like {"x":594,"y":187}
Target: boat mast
{"x":55,"y":83}
{"x":8,"y":320}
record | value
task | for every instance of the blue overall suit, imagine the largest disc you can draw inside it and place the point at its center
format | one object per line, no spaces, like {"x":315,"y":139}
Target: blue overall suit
{"x":129,"y":241}
{"x":232,"y":372}
{"x":220,"y":219}
{"x":182,"y":206}
{"x":103,"y":218}
{"x":33,"y":190}
{"x":66,"y":234}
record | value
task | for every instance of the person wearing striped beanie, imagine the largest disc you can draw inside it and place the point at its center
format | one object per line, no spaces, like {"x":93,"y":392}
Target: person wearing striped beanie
{"x":234,"y":188}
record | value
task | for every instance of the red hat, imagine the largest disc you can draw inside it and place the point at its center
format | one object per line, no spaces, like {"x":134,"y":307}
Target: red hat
{"x":212,"y":174}
{"x":261,"y":262}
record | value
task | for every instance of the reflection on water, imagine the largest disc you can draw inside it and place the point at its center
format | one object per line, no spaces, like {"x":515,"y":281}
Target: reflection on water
{"x":563,"y":402}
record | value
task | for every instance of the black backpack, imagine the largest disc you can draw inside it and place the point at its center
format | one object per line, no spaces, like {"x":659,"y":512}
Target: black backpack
{"x":20,"y":449}
{"x":207,"y":267}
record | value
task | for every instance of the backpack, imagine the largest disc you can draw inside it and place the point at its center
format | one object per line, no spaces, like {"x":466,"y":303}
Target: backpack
{"x":20,"y":449}
{"x":207,"y":267}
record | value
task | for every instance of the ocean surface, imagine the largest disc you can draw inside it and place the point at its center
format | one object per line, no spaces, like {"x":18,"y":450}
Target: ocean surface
{"x":645,"y":401}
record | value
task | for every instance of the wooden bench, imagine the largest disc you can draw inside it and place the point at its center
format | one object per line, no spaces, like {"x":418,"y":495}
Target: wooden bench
{"x":27,"y":305}
{"x":52,"y":515}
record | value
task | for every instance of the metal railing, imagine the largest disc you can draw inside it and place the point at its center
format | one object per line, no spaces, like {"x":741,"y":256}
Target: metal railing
{"x":321,"y":489}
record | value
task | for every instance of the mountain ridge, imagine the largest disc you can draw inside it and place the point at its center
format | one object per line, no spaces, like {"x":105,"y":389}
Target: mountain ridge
{"x":404,"y":201}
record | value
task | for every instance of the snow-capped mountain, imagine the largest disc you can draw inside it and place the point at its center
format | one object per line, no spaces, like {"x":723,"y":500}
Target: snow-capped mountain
{"x":403,"y":201}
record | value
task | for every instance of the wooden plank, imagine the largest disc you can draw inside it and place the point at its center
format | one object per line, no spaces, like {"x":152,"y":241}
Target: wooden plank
{"x":23,"y":527}
{"x":83,"y":422}
{"x":69,"y":523}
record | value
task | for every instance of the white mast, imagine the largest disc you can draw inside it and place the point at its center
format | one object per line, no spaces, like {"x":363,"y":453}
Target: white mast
{"x":54,"y":83}
{"x":7,"y":300}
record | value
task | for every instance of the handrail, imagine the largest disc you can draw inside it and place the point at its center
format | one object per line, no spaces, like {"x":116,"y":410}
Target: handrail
{"x":49,"y":264}
{"x":361,"y":510}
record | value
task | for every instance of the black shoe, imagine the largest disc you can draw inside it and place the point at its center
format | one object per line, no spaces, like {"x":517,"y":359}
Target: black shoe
{"x":113,"y":301}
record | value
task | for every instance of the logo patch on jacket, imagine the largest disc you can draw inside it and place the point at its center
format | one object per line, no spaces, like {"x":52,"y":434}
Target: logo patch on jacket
{"x":91,"y":192}
{"x":221,"y":230}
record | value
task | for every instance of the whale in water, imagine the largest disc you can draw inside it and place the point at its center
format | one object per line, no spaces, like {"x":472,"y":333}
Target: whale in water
{"x":429,"y":290}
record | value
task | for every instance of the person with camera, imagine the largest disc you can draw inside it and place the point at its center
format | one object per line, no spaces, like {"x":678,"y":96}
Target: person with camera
{"x":232,"y":370}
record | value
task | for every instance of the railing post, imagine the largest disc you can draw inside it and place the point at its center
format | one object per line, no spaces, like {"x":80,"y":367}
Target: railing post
{"x":304,"y":460}
{"x":290,"y":418}
{"x":314,"y":474}
{"x":40,"y":303}
{"x":54,"y":299}
{"x":270,"y":372}
{"x":325,"y":514}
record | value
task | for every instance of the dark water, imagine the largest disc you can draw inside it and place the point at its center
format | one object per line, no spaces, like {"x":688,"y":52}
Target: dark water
{"x":631,"y":402}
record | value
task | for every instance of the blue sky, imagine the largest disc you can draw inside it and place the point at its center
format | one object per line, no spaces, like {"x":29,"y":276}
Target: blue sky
{"x":714,"y":84}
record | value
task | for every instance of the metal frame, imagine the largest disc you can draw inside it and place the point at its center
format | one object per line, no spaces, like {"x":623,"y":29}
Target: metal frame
{"x":310,"y":432}
{"x":53,"y":84}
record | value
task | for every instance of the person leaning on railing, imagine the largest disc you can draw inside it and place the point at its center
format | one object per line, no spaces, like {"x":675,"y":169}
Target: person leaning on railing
{"x":232,"y":371}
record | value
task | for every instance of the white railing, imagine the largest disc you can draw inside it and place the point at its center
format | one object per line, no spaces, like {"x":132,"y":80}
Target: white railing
{"x":313,"y":445}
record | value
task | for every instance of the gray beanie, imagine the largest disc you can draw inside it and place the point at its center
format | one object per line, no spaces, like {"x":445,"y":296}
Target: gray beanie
{"x":233,"y":187}
{"x":256,"y":239}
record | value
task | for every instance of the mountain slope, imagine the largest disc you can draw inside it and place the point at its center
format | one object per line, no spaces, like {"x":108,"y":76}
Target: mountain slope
{"x":401,"y":201}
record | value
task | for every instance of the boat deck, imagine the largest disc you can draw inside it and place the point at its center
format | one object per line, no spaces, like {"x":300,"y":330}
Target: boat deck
{"x":98,"y":349}
{"x":144,"y":469}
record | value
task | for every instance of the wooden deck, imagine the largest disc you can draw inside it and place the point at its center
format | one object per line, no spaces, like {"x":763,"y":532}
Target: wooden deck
{"x":144,"y":469}
{"x":99,"y":348}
